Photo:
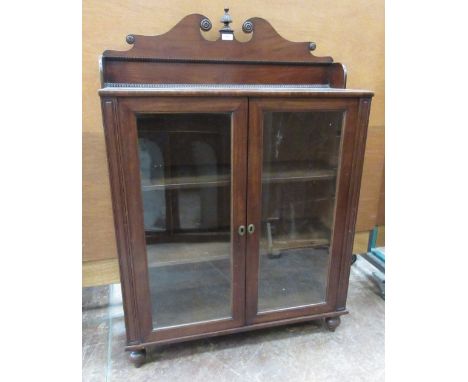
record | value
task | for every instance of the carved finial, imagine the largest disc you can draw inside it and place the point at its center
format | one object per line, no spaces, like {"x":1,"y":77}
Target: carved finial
{"x":226,"y":32}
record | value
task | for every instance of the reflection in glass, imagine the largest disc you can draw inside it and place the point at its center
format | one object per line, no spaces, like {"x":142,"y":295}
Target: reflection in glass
{"x":300,"y":161}
{"x":185,"y":167}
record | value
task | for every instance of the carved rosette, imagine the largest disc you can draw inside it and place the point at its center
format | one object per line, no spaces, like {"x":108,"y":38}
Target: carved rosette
{"x":205,"y":25}
{"x":130,"y":39}
{"x":247,"y":27}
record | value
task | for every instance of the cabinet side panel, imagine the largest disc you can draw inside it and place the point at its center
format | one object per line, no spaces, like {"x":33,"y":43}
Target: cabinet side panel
{"x":353,"y":199}
{"x":111,"y":124}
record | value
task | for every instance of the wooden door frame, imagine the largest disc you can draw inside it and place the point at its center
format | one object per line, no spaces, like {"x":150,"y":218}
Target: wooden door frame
{"x":122,"y":145}
{"x":347,"y":194}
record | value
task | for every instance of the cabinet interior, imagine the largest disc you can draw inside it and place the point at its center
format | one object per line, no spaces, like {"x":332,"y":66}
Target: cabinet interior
{"x":185,"y":170}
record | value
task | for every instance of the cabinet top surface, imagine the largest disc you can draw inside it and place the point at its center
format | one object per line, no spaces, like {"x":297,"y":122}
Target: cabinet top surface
{"x":280,"y":90}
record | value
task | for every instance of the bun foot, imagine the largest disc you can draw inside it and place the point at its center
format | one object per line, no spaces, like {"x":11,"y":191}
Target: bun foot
{"x":332,"y":323}
{"x":137,"y":357}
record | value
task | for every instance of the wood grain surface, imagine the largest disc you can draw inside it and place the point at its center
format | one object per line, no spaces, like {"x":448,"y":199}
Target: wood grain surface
{"x":351,"y":31}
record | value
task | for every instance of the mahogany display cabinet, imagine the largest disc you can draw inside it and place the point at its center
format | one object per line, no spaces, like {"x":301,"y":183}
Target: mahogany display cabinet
{"x":235,"y":170}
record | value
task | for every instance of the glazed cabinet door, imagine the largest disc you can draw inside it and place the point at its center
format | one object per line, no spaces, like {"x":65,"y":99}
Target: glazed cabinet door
{"x":298,"y":208}
{"x":183,"y":164}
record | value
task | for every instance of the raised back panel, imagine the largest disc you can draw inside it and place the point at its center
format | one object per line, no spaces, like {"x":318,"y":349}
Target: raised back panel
{"x":184,"y":56}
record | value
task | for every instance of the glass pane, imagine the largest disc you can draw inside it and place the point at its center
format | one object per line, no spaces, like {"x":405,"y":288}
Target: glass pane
{"x":185,"y":166}
{"x":300,"y":160}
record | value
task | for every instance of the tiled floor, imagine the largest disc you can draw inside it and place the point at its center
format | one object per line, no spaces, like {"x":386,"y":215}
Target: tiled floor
{"x":304,"y":352}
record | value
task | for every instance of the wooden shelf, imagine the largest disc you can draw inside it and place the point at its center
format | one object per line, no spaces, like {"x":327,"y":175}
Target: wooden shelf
{"x":309,"y":234}
{"x":273,"y":174}
{"x":284,"y":243}
{"x":295,"y":172}
{"x":172,"y":254}
{"x":182,"y":182}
